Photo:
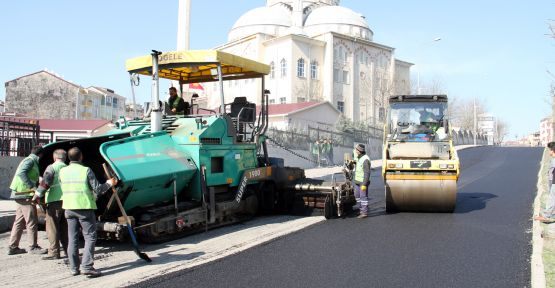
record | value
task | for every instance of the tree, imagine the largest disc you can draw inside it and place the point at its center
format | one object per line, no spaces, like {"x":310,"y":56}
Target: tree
{"x":502,"y":130}
{"x":461,"y":112}
{"x":303,"y":92}
{"x":435,"y":86}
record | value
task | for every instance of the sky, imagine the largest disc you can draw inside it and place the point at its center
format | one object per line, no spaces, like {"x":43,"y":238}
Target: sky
{"x":495,"y":51}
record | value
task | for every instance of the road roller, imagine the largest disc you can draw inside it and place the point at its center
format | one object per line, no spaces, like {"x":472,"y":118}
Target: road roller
{"x":179,"y":174}
{"x":420,"y":165}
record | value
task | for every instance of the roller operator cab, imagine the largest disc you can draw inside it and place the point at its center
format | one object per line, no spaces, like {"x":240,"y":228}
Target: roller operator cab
{"x":420,"y":165}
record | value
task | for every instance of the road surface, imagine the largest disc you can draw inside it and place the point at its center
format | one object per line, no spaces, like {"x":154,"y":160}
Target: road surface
{"x":485,"y":243}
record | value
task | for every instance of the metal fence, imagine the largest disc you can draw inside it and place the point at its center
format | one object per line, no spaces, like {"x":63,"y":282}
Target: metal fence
{"x":18,"y":136}
{"x":303,"y":139}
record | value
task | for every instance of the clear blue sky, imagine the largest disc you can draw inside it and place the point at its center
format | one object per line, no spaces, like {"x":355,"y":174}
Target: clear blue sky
{"x":494,"y":50}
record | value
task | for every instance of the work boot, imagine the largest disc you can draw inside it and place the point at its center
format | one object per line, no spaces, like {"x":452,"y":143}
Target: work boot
{"x":93,"y":273}
{"x":37,"y":250}
{"x":361,"y":216}
{"x":75,"y":272}
{"x":15,"y":251}
{"x":51,"y":257}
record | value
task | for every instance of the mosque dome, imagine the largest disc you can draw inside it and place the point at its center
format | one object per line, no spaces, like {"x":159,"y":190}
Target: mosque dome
{"x":272,"y":20}
{"x":337,"y":19}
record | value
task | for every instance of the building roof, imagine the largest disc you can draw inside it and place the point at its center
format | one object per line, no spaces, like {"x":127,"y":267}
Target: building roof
{"x":105,"y":91}
{"x":335,"y":15}
{"x":71,"y":125}
{"x":261,"y":20}
{"x":47,"y":72}
{"x":277,"y":19}
{"x":284,"y":109}
{"x":292,"y":108}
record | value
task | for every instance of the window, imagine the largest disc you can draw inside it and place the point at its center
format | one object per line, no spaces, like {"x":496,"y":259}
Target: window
{"x":272,"y":101}
{"x":340,"y":50}
{"x":340,"y":106}
{"x":301,"y":99}
{"x":336,"y":76}
{"x":282,"y":100}
{"x":300,"y":68}
{"x":272,"y":70}
{"x":314,"y":70}
{"x":115,"y":103}
{"x":345,"y":77}
{"x":283,"y":66}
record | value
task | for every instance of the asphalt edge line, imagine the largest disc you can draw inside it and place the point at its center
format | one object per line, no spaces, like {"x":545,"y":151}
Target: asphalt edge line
{"x":536,"y":263}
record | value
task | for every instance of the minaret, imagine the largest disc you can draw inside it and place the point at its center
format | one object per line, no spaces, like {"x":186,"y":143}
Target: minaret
{"x":183,"y":32}
{"x":183,"y":24}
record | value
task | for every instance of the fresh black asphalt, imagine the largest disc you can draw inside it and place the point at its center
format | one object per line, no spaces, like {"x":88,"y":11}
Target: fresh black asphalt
{"x":485,"y":243}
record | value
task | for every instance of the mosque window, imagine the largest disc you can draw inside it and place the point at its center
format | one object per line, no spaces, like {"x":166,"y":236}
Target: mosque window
{"x":283,"y":66}
{"x":300,"y":68}
{"x":272,"y":70}
{"x":346,"y":77}
{"x":314,"y":70}
{"x":340,"y":106}
{"x":336,"y":76}
{"x":282,"y":100}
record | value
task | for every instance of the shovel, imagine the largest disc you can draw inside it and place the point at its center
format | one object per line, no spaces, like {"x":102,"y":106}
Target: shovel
{"x":141,"y":255}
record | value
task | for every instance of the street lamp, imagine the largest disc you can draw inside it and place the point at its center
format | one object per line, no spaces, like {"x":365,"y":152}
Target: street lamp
{"x":418,"y":71}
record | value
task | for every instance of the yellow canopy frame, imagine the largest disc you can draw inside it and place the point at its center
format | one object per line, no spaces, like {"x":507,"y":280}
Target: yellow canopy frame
{"x":195,"y":66}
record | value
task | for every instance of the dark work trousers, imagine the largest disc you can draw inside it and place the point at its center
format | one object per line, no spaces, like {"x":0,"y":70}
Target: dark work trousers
{"x":56,"y":228}
{"x":362,"y":199}
{"x":87,"y":221}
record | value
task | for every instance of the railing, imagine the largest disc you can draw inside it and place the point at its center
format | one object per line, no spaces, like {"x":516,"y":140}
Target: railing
{"x":302,"y":139}
{"x":18,"y":136}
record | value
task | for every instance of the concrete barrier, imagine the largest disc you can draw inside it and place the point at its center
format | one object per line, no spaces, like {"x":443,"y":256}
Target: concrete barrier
{"x":8,"y":165}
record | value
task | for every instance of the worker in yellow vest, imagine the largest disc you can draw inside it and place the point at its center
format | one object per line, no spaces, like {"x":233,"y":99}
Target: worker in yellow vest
{"x":50,"y":189}
{"x":362,"y":179}
{"x":23,"y":188}
{"x":80,"y":189}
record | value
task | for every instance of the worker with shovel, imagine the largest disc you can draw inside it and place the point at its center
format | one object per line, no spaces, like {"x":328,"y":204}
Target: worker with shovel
{"x":79,"y":190}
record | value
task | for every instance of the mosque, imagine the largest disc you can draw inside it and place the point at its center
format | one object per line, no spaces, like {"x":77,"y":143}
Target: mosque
{"x":318,"y":51}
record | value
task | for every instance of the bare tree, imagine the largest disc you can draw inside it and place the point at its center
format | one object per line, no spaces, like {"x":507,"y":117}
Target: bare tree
{"x":435,"y":86}
{"x":502,"y":130}
{"x":303,"y":92}
{"x":462,"y":112}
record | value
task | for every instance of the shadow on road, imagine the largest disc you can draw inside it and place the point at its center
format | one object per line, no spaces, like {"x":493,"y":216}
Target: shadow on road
{"x":468,"y":202}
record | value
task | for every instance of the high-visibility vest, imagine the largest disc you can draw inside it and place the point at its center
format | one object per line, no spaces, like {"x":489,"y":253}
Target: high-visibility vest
{"x":315,"y":148}
{"x":54,"y":193}
{"x":17,"y":185}
{"x":359,"y":170}
{"x":76,"y":193}
{"x":325,"y":148}
{"x":175,"y":105}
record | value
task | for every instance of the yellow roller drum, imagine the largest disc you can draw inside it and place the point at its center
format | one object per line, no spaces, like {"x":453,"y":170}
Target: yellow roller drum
{"x":420,"y":193}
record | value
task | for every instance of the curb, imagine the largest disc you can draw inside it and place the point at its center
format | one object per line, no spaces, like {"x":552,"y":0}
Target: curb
{"x":536,"y":262}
